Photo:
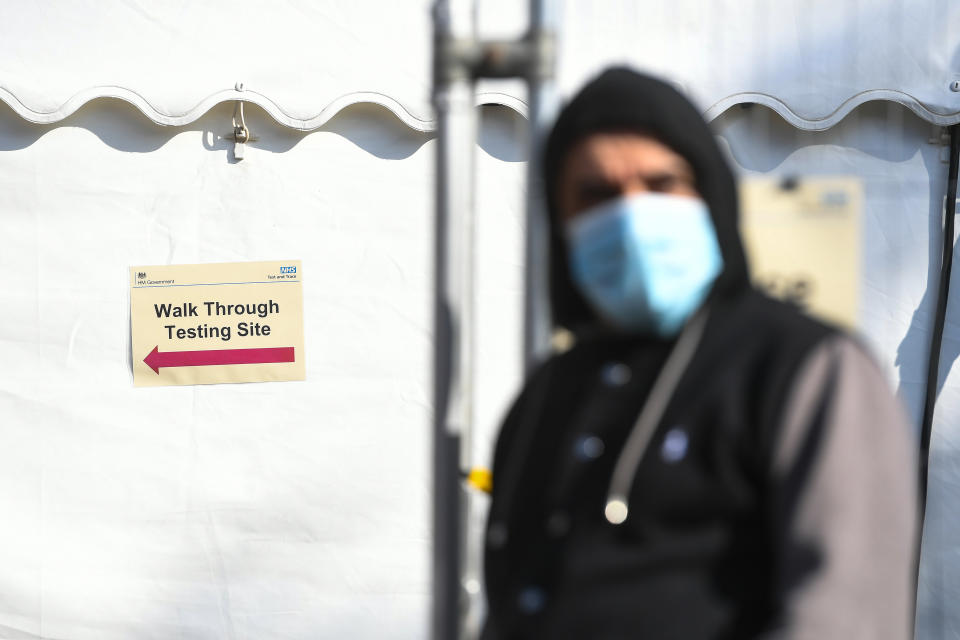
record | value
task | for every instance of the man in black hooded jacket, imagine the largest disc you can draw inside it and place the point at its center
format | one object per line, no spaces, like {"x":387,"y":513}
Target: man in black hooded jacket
{"x":704,"y":462}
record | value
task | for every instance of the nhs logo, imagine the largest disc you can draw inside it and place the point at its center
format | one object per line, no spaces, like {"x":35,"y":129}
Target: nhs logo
{"x":288,"y":269}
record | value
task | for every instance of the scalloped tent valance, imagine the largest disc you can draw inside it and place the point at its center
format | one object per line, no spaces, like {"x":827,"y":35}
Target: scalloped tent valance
{"x":812,"y":61}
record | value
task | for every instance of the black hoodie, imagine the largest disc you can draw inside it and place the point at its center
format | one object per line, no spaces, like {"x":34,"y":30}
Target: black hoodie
{"x":708,"y":550}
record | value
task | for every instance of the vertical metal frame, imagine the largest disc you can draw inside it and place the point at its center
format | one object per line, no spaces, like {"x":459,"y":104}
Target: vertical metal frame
{"x":459,"y":59}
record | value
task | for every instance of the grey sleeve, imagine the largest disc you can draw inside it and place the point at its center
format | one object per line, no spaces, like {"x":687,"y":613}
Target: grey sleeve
{"x":844,"y":503}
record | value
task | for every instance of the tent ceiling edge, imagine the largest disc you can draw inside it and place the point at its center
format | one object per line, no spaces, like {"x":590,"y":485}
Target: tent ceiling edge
{"x":822,"y":123}
{"x":406,"y":116}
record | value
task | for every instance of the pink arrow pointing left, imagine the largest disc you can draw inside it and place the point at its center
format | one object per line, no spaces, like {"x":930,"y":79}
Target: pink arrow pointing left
{"x":158,"y":359}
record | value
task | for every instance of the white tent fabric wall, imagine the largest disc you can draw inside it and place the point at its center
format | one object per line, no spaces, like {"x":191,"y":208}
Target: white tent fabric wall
{"x":295,"y":510}
{"x":300,"y":508}
{"x":904,"y":180}
{"x":813,"y":61}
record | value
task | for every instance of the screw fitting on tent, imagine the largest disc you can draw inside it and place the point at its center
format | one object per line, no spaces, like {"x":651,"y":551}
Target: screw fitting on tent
{"x":955,"y":85}
{"x":241,"y":134}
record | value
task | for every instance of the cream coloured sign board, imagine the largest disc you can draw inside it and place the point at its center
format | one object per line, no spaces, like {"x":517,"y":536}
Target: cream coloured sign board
{"x":803,"y":241}
{"x":212,"y":323}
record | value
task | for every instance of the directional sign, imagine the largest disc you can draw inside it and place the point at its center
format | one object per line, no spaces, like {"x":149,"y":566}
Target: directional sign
{"x":803,"y":241}
{"x":202,"y":324}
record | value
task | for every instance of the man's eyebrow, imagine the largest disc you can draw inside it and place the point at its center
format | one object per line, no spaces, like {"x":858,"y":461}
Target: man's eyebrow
{"x":679,"y":165}
{"x":595,"y":183}
{"x":666,"y":173}
{"x":597,"y":177}
{"x":678,"y":169}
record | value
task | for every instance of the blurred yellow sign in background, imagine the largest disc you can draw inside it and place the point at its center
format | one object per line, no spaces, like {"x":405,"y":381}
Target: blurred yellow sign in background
{"x":803,"y":242}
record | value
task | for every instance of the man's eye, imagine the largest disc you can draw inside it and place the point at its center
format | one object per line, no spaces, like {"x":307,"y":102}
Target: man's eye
{"x":595,"y":194}
{"x":663,"y":184}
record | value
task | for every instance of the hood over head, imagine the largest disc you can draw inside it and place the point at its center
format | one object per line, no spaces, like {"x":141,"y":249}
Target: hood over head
{"x":621,"y":99}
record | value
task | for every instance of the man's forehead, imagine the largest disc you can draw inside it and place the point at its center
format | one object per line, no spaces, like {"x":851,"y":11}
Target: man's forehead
{"x":623,"y":151}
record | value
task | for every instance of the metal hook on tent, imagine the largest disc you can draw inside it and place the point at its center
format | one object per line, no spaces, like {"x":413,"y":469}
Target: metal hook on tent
{"x":241,"y":134}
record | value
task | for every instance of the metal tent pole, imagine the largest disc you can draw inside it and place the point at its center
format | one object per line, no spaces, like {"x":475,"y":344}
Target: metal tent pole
{"x":459,"y":58}
{"x":542,"y":98}
{"x":453,"y":99}
{"x":940,"y":316}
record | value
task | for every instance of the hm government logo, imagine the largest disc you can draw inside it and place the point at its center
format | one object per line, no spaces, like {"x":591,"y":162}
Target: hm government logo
{"x":141,"y":276}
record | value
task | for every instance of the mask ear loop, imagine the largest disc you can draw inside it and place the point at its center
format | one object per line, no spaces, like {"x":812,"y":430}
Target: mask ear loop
{"x":625,"y":470}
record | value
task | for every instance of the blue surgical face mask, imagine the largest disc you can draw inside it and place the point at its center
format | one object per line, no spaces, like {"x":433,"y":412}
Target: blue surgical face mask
{"x":645,"y":262}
